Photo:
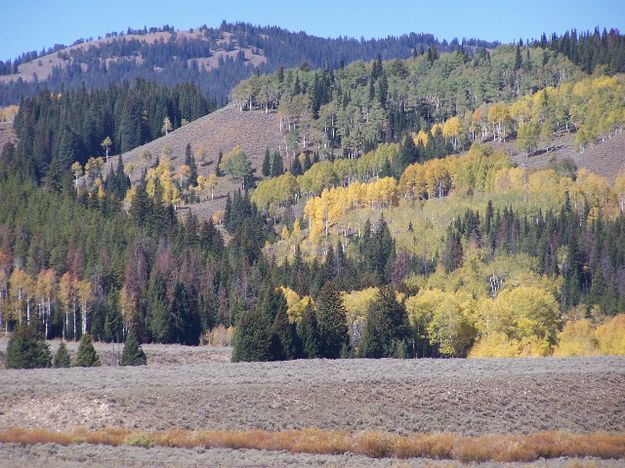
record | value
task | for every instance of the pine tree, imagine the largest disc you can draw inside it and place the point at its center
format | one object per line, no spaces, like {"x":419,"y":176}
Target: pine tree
{"x":332,"y":321}
{"x":86,"y":356}
{"x":277,"y":167}
{"x":189,"y":160}
{"x":386,"y":328}
{"x":285,"y":343}
{"x":26,"y":349}
{"x":518,"y":60}
{"x":266,"y":169}
{"x":133,"y":354}
{"x":252,"y":338}
{"x":61,"y":357}
{"x":296,"y":167}
{"x":220,"y":156}
{"x":308,"y":333}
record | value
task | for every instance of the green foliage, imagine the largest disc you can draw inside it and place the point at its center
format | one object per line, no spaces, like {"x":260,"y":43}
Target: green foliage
{"x":308,"y":332}
{"x":386,"y":331}
{"x":236,"y":163}
{"x":26,"y":349}
{"x":61,"y":357}
{"x":285,"y":343}
{"x":332,"y":322}
{"x":86,"y":356}
{"x":252,"y":338}
{"x":133,"y":354}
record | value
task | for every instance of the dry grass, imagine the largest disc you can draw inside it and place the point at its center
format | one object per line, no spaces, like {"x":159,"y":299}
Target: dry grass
{"x":498,"y":448}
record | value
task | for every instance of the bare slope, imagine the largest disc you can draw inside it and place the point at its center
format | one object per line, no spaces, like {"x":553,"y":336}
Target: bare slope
{"x":605,"y":158}
{"x":42,"y":66}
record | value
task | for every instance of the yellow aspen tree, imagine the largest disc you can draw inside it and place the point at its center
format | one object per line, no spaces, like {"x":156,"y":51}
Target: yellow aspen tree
{"x":45,"y":289}
{"x":66,"y":297}
{"x":452,"y":129}
{"x":84,"y":290}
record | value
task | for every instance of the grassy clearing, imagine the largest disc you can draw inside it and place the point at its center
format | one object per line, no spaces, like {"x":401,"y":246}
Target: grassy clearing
{"x":448,"y":446}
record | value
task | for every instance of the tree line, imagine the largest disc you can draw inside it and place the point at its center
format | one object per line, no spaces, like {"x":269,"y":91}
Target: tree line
{"x":55,"y":130}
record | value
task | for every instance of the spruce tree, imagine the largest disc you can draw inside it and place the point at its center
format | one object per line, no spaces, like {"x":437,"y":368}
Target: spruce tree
{"x":387,"y":327}
{"x":277,"y":167}
{"x":26,"y":349}
{"x":332,"y":320}
{"x":296,"y":167}
{"x":308,"y":333}
{"x":252,"y":338}
{"x":86,"y":356}
{"x":266,"y":169}
{"x":220,"y":156}
{"x":133,"y":354}
{"x":285,"y":344}
{"x":61,"y":357}
{"x":189,"y":160}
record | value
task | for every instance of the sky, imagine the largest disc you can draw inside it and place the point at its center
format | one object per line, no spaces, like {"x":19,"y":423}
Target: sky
{"x":34,"y":24}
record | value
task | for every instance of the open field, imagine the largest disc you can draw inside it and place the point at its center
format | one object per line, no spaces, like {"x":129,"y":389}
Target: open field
{"x":197,"y":389}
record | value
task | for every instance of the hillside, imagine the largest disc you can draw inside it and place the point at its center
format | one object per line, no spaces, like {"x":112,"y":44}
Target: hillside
{"x":221,"y":130}
{"x":605,"y":158}
{"x":214,"y":58}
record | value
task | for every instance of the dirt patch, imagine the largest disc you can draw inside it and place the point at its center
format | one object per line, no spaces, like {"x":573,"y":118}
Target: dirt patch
{"x":469,"y":396}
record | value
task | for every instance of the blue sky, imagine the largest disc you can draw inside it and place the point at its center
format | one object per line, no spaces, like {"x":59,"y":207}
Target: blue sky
{"x":34,"y":24}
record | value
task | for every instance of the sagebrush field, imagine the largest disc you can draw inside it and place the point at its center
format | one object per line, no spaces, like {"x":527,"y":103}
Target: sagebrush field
{"x":189,"y":389}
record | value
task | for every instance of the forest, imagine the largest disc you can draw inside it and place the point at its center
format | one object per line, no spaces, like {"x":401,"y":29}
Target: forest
{"x":394,"y":227}
{"x":175,"y":61}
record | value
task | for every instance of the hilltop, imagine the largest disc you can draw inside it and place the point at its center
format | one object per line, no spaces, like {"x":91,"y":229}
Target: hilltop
{"x":214,"y":58}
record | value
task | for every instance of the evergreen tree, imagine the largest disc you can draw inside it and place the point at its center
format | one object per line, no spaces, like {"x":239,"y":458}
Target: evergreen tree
{"x":308,"y":333}
{"x":266,"y":168}
{"x":86,"y":356}
{"x":518,"y":60}
{"x":26,"y":349}
{"x":332,"y":321}
{"x":61,"y":357}
{"x":133,"y":354}
{"x":277,"y":167}
{"x":187,"y":320}
{"x":387,"y":327}
{"x":296,"y":167}
{"x":220,"y":156}
{"x":189,"y":161}
{"x":285,"y":343}
{"x":252,"y":338}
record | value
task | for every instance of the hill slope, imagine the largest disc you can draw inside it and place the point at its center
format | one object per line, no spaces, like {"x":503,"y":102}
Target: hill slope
{"x":214,"y":58}
{"x":221,"y":130}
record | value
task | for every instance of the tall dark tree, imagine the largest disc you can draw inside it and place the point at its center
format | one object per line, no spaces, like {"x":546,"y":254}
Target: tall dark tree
{"x":308,"y":332}
{"x":387,"y":331}
{"x":252,"y":338}
{"x":332,"y":321}
{"x":266,"y":168}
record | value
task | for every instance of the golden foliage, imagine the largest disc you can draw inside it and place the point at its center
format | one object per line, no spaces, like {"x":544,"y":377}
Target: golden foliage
{"x":611,"y":336}
{"x":500,"y":448}
{"x":576,"y":339}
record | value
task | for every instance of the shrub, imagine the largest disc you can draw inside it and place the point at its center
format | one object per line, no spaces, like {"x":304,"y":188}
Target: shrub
{"x":26,"y":349}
